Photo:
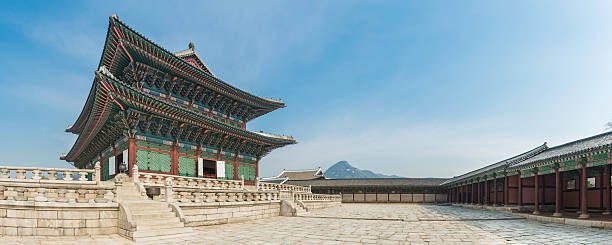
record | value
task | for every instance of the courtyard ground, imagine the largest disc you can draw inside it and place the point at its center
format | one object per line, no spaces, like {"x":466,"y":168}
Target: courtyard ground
{"x":374,"y":223}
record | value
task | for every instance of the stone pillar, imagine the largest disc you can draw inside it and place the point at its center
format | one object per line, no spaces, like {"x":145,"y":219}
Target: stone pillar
{"x":536,"y":200}
{"x":135,"y":174}
{"x":97,"y":176}
{"x":606,"y":187}
{"x":558,"y":193}
{"x":169,"y":192}
{"x":583,"y":193}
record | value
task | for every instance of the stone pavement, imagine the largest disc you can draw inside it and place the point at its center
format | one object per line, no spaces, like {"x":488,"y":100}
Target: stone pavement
{"x":376,"y":224}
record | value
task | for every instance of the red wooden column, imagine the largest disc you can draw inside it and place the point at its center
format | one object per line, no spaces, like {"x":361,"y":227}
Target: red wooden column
{"x":174,"y":160}
{"x":606,"y":187}
{"x":495,"y":190}
{"x":473,"y":192}
{"x":131,"y":154}
{"x":536,"y":200}
{"x":558,"y":192}
{"x":479,"y":195}
{"x":486,"y":189}
{"x":520,"y":189}
{"x":583,"y":193}
{"x":506,"y":179}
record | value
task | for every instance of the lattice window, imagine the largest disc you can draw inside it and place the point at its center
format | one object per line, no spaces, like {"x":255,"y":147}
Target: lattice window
{"x":187,"y":166}
{"x":105,"y":169}
{"x":247,"y":171}
{"x":153,"y":161}
{"x":229,"y":171}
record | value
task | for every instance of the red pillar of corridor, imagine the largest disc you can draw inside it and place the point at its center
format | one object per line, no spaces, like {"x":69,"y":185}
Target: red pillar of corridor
{"x":558,"y":192}
{"x":486,"y":189}
{"x":606,"y":183}
{"x":495,"y":190}
{"x":506,"y":197}
{"x":536,"y":200}
{"x":520,"y":189}
{"x":583,"y":193}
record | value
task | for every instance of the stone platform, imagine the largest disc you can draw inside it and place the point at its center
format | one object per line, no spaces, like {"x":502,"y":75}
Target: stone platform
{"x":371,"y":223}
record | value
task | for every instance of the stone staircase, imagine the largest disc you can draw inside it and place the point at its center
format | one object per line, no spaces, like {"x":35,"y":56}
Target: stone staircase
{"x":145,"y":220}
{"x":155,"y":221}
{"x":300,"y":209}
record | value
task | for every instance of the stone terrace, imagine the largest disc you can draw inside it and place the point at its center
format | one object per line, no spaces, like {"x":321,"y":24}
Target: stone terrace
{"x":373,"y":223}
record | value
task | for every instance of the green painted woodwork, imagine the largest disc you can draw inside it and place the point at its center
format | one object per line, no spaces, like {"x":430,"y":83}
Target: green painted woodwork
{"x":186,"y":151}
{"x":227,"y":158}
{"x":105,"y":169}
{"x":247,"y":171}
{"x":153,"y":161}
{"x":229,"y":170}
{"x":569,"y":165}
{"x":599,"y":159}
{"x":187,"y":166}
{"x":209,"y":155}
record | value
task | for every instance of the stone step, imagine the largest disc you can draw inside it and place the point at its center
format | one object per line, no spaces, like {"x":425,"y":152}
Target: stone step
{"x":151,"y":222}
{"x":159,"y":233}
{"x":152,"y":216}
{"x":148,"y":210}
{"x":164,"y":225}
{"x":162,"y":239}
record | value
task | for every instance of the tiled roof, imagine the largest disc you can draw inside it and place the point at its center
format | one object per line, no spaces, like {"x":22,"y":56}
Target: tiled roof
{"x":400,"y":182}
{"x":500,"y":165}
{"x":571,"y":148}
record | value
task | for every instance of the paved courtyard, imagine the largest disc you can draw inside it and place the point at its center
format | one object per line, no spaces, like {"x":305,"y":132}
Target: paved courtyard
{"x":376,"y":224}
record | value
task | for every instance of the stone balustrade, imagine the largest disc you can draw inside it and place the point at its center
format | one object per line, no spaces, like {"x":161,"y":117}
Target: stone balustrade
{"x":160,"y":180}
{"x":281,"y":187}
{"x":54,"y":185}
{"x":316,"y":197}
{"x":49,"y":175}
{"x":198,"y":195}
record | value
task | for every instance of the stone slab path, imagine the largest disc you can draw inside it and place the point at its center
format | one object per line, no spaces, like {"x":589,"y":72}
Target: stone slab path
{"x":373,"y":224}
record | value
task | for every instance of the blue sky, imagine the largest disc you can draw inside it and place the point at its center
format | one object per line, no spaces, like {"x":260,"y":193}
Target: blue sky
{"x":413,"y":88}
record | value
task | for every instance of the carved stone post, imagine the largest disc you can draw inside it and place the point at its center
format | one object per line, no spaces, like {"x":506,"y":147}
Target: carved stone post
{"x":97,"y":175}
{"x":169,"y":192}
{"x":135,"y":174}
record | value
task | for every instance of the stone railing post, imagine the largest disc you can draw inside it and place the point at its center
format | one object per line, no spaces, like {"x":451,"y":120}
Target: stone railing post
{"x":97,"y":173}
{"x":135,"y":174}
{"x":242,"y":182}
{"x":309,"y":188}
{"x":169,"y":192}
{"x":256,"y":183}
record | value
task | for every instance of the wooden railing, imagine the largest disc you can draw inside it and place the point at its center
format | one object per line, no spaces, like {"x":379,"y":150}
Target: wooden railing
{"x":49,"y":175}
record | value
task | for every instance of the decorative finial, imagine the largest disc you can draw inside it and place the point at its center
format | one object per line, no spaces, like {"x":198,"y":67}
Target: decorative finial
{"x":191,"y":45}
{"x":114,"y":16}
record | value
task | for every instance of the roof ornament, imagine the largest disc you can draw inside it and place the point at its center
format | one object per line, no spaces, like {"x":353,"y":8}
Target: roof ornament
{"x":115,"y":16}
{"x":191,"y":46}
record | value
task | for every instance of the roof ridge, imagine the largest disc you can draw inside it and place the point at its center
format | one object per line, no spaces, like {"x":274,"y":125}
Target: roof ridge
{"x":218,"y":80}
{"x":580,"y":140}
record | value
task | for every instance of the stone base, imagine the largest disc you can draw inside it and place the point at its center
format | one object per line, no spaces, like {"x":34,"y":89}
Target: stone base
{"x":557,"y":215}
{"x":583,"y":216}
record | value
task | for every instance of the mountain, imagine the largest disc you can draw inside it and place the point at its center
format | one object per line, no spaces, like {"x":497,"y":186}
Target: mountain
{"x":343,"y":170}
